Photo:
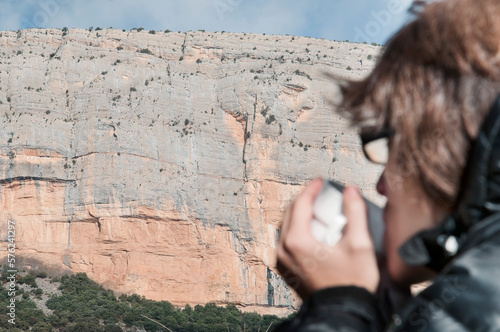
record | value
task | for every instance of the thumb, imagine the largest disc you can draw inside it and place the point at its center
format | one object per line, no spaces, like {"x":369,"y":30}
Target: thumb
{"x":356,"y":230}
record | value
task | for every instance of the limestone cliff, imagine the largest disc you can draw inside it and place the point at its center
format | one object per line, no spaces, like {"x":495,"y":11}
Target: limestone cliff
{"x":160,"y":163}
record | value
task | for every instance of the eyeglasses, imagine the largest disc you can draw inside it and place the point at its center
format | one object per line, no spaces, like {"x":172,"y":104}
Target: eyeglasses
{"x":376,"y":147}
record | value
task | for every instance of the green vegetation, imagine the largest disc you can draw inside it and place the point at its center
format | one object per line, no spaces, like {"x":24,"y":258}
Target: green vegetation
{"x":264,"y":110}
{"x":301,"y":73}
{"x":86,"y":306}
{"x":28,"y":279}
{"x":270,"y":119}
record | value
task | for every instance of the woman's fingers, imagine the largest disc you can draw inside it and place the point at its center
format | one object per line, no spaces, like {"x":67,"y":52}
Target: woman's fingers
{"x":302,"y":212}
{"x":294,"y":230}
{"x":296,"y":224}
{"x":284,"y":260}
{"x":356,"y":232}
{"x":285,"y":223}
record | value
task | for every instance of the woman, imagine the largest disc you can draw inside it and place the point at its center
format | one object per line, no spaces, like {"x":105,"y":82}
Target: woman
{"x":433,"y":98}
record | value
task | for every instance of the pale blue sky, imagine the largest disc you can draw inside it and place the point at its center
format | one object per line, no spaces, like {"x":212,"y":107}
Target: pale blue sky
{"x":354,"y":20}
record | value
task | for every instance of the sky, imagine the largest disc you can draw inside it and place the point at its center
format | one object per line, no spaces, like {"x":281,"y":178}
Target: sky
{"x":353,"y":20}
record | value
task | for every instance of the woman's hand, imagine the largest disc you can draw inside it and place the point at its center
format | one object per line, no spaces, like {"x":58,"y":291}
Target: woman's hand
{"x":308,"y":265}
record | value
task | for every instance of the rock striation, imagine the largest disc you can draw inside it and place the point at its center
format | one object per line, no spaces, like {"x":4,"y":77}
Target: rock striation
{"x":159,"y":163}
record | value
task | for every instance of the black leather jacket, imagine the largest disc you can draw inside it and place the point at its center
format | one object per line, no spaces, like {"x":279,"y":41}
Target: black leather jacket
{"x":465,"y":296}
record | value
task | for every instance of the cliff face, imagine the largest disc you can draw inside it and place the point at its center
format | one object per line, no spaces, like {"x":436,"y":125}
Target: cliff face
{"x":161,"y":163}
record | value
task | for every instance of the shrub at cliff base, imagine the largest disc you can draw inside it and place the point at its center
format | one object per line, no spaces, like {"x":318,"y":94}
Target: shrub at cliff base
{"x":86,"y":306}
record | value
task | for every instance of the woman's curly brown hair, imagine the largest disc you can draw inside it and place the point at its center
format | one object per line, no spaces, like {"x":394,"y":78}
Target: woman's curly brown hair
{"x":433,"y":85}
